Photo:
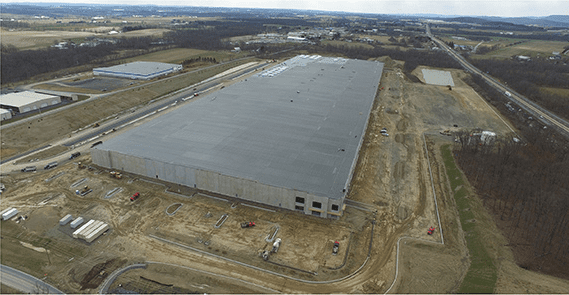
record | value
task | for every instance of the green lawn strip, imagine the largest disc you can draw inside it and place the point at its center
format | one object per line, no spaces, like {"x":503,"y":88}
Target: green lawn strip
{"x":482,"y":274}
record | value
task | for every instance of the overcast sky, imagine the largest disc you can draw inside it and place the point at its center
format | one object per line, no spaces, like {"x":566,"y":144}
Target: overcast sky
{"x":506,"y":8}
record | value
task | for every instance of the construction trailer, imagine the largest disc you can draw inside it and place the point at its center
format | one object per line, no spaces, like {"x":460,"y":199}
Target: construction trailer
{"x":75,"y":223}
{"x":288,"y":137}
{"x":9,"y":213}
{"x":66,"y":219}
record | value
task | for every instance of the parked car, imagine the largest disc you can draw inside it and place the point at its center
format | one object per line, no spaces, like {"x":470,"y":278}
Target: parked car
{"x":50,"y":165}
{"x":29,"y":169}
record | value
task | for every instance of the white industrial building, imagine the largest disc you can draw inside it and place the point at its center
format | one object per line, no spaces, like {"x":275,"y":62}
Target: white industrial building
{"x":140,"y":70}
{"x":288,"y":137}
{"x":5,"y":114}
{"x":23,"y":102}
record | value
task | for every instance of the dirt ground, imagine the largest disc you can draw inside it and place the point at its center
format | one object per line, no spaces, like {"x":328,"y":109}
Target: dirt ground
{"x":186,"y":252}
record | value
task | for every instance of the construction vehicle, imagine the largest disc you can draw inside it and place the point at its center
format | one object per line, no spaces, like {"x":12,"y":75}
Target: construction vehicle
{"x":134,"y":197}
{"x":84,"y":191}
{"x":80,"y":166}
{"x":74,"y":155}
{"x":276,"y":245}
{"x":247,"y":224}
{"x":445,"y":132}
{"x":335,"y":248}
{"x":431,"y":230}
{"x":115,"y":174}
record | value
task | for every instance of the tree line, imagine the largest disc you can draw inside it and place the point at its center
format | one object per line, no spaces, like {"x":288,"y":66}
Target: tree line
{"x":523,"y":184}
{"x":190,"y":61}
{"x":527,"y":78}
{"x":412,"y":57}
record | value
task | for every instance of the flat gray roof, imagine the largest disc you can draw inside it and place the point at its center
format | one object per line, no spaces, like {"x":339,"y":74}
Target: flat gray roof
{"x":297,"y":125}
{"x":138,"y":68}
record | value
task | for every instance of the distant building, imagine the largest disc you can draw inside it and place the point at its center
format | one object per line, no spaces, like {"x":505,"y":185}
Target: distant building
{"x":523,"y":58}
{"x":5,"y":114}
{"x":142,"y":70}
{"x":296,"y":39}
{"x":23,"y":102}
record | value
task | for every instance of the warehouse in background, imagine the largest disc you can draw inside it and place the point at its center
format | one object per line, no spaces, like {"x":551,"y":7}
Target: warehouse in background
{"x":140,"y":70}
{"x":288,"y":137}
{"x":23,"y":102}
{"x":5,"y":114}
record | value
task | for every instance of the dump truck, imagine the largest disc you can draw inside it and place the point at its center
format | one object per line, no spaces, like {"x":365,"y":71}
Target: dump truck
{"x":115,"y":174}
{"x":134,"y":197}
{"x":84,"y":191}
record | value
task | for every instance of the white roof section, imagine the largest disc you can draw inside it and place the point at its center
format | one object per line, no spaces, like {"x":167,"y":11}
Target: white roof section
{"x":3,"y":111}
{"x":435,"y":77}
{"x":21,"y":99}
{"x":141,"y":69}
{"x":298,"y":125}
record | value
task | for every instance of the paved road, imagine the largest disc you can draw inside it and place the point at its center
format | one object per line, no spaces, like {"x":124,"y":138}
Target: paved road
{"x":538,"y":112}
{"x":24,"y":282}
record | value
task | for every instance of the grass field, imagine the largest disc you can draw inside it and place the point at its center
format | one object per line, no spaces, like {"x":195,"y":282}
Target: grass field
{"x":557,"y":91}
{"x":39,"y":39}
{"x":531,"y":48}
{"x":482,"y":274}
{"x":528,"y":47}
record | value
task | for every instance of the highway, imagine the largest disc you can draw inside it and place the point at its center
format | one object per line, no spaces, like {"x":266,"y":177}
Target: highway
{"x":538,"y":112}
{"x":24,"y":282}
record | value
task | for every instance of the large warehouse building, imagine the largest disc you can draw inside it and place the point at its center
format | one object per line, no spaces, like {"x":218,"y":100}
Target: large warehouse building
{"x":142,"y":70}
{"x":288,"y":137}
{"x":23,"y":102}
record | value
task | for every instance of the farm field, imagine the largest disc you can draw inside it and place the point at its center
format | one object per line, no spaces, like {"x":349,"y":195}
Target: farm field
{"x":24,"y":40}
{"x":531,"y":48}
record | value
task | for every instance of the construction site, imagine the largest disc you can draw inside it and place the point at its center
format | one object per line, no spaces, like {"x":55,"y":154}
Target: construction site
{"x":96,"y":222}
